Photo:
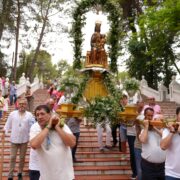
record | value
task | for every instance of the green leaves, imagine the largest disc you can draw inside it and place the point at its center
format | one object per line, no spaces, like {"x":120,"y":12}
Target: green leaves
{"x":79,"y":21}
{"x":102,"y":108}
{"x":131,"y":84}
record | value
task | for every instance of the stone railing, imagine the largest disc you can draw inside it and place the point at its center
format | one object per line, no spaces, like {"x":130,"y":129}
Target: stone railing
{"x":162,"y":93}
{"x":24,"y":82}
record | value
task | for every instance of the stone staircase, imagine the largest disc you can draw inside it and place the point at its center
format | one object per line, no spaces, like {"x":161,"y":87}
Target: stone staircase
{"x":92,"y":164}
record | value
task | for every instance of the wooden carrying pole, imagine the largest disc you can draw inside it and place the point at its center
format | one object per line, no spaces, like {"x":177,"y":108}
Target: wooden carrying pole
{"x":2,"y":154}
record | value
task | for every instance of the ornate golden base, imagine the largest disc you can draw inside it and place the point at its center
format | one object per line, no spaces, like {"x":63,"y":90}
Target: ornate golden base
{"x":130,"y":113}
{"x":75,"y":113}
{"x":67,"y":110}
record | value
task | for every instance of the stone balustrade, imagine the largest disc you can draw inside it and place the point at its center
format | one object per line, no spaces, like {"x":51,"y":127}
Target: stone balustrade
{"x":23,"y":83}
{"x":162,"y":93}
{"x":174,"y":90}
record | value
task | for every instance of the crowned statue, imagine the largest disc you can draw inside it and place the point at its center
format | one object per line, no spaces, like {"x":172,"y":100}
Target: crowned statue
{"x":97,"y":56}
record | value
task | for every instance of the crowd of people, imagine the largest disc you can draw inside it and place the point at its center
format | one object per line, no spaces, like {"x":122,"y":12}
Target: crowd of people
{"x":8,"y":96}
{"x":153,"y":151}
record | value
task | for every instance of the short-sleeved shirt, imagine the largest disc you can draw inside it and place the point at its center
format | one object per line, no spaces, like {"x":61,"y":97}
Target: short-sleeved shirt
{"x":156,"y":108}
{"x":151,"y":150}
{"x":172,"y":165}
{"x":55,"y":158}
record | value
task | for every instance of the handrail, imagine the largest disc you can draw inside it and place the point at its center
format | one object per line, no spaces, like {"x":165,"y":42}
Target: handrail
{"x":2,"y":154}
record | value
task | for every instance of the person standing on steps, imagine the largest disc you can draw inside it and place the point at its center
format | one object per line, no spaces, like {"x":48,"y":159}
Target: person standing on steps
{"x":74,"y":125}
{"x":170,"y":143}
{"x":152,"y":103}
{"x":6,"y":106}
{"x":52,"y":141}
{"x":19,"y":122}
{"x":152,"y":156}
{"x":1,"y":104}
{"x":137,"y":143}
{"x":12,"y":93}
{"x":100,"y":128}
{"x":123,"y":128}
{"x":30,"y":98}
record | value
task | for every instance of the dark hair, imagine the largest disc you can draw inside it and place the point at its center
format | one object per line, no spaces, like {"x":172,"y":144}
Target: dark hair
{"x":124,"y":96}
{"x":177,"y":110}
{"x":148,"y":109}
{"x":44,"y":107}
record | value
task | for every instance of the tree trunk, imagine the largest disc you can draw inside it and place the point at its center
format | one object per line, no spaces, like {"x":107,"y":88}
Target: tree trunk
{"x":17,"y":39}
{"x":34,"y":59}
{"x":4,"y":6}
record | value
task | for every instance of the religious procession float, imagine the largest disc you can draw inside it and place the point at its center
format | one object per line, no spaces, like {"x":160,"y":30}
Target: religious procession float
{"x":97,"y":96}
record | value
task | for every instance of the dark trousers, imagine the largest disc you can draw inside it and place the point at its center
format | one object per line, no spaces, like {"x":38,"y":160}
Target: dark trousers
{"x":34,"y":175}
{"x":75,"y":147}
{"x":114,"y":135}
{"x":131,"y":140}
{"x":153,"y":171}
{"x":137,"y":152}
{"x":13,"y":99}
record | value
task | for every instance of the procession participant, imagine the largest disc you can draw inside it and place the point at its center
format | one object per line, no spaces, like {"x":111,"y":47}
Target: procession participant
{"x":6,"y":106}
{"x":153,"y":158}
{"x":1,"y":104}
{"x":170,"y":143}
{"x":30,"y":98}
{"x":52,"y":141}
{"x":51,"y":103}
{"x":137,"y":143}
{"x":152,"y":103}
{"x":13,"y":93}
{"x":74,"y":125}
{"x":123,"y":128}
{"x":19,"y":122}
{"x":34,"y":173}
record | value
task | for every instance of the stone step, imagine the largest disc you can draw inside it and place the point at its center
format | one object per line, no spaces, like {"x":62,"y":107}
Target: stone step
{"x":102,"y":177}
{"x":90,"y":177}
{"x":112,"y":154}
{"x":105,"y":161}
{"x":102,"y":162}
{"x":92,"y":170}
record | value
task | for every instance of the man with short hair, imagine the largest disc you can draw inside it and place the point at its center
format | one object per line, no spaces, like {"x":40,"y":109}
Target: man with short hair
{"x":153,"y":158}
{"x":152,"y":103}
{"x":19,"y":122}
{"x":52,"y":142}
{"x":50,"y":103}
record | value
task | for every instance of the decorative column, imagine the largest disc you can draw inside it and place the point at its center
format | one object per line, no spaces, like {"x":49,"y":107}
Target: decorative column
{"x":28,"y":82}
{"x":162,"y":92}
{"x":143,"y":82}
{"x":174,"y":86}
{"x":36,"y":79}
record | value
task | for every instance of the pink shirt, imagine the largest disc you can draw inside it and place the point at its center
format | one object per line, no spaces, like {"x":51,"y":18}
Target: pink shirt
{"x":156,"y":108}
